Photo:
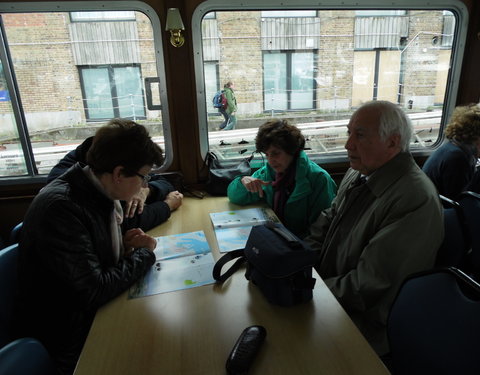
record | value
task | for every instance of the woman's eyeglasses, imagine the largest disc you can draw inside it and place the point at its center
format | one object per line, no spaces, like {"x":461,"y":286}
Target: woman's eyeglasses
{"x":146,"y":178}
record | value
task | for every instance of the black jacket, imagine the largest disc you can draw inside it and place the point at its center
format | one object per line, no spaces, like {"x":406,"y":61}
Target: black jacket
{"x":155,"y":211}
{"x":66,"y":265}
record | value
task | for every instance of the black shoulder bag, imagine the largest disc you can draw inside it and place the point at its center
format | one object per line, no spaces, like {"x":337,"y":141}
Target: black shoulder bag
{"x":278,"y":263}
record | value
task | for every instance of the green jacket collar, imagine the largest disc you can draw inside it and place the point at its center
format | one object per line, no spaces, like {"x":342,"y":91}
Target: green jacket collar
{"x":302,"y":185}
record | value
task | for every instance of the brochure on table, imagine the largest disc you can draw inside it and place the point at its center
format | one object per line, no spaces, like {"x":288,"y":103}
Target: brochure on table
{"x":183,"y":261}
{"x":232,"y":228}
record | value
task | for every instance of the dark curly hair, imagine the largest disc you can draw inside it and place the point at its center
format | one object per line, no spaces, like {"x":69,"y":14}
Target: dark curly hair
{"x":464,"y":125}
{"x":280,"y":134}
{"x":126,"y":143}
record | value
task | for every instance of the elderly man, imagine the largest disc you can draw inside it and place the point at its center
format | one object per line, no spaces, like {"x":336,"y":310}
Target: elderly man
{"x":385,"y":223}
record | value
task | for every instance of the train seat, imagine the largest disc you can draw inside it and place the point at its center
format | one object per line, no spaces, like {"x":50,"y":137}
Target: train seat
{"x":433,"y":326}
{"x":8,"y":276}
{"x":470,"y":204}
{"x":456,"y":243}
{"x":25,"y":355}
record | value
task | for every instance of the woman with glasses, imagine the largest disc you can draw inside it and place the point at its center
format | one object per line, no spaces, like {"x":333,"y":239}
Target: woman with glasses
{"x":150,"y":207}
{"x":73,"y":254}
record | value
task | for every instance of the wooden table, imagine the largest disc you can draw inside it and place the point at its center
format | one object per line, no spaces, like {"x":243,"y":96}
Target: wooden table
{"x":192,"y":331}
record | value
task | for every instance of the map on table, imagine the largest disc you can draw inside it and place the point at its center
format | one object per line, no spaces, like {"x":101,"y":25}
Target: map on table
{"x":183,"y":261}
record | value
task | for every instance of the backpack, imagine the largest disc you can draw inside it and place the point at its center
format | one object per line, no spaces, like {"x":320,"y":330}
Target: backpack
{"x":220,"y":100}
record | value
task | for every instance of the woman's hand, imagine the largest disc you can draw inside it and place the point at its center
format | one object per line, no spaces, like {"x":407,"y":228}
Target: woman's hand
{"x":136,"y":204}
{"x":254,"y":185}
{"x":135,"y":238}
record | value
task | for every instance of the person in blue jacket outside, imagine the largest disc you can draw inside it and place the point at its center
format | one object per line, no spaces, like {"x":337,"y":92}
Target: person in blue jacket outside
{"x":296,"y":188}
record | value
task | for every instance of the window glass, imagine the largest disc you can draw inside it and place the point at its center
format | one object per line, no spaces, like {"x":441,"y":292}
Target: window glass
{"x":102,"y":16}
{"x":379,"y":13}
{"x":448,"y":30}
{"x":75,"y":71}
{"x":211,"y":83}
{"x":302,"y":80}
{"x":12,"y":162}
{"x":316,"y":67}
{"x":289,"y":13}
{"x":112,"y":92}
{"x":98,"y":96}
{"x":210,"y":15}
{"x":128,"y":86}
{"x":275,"y":80}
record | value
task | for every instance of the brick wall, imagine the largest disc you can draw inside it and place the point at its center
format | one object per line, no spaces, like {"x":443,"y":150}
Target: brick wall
{"x":49,"y":80}
{"x":421,"y":57}
{"x":41,"y":51}
{"x":241,"y":57}
{"x":335,"y":56}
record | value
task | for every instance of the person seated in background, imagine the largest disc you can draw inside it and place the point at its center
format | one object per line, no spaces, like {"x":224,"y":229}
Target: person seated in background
{"x":385,"y":223}
{"x":73,"y":257}
{"x":452,"y":166}
{"x":150,"y":207}
{"x":295,"y":187}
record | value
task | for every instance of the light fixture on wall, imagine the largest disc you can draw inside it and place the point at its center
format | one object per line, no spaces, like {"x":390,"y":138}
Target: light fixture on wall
{"x":175,"y":26}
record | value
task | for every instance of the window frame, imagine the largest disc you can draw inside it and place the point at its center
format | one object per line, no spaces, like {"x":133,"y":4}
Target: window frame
{"x":457,"y":8}
{"x":68,"y":7}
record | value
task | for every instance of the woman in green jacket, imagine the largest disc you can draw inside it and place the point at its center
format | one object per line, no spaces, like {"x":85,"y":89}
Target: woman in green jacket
{"x":295,"y":187}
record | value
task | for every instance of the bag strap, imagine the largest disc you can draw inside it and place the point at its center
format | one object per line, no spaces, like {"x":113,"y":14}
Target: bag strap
{"x":217,"y":269}
{"x":210,"y":157}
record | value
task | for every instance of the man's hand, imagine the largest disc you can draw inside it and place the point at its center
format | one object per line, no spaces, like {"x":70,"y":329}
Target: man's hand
{"x":136,"y":204}
{"x":254,"y":185}
{"x":135,"y":238}
{"x":174,"y":200}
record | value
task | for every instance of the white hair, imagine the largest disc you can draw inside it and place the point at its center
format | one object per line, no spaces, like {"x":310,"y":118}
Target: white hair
{"x":393,"y":120}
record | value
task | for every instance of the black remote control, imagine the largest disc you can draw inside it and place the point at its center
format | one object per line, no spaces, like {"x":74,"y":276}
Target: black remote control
{"x":243,"y":353}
